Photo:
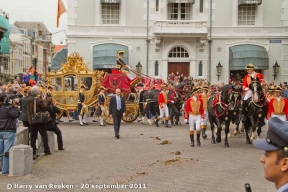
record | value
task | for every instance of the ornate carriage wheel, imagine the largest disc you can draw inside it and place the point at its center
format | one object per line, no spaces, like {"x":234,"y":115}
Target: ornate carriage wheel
{"x":58,"y":116}
{"x":132,"y":112}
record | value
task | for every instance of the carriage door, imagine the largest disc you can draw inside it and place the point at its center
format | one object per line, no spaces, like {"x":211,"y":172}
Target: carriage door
{"x":178,"y":61}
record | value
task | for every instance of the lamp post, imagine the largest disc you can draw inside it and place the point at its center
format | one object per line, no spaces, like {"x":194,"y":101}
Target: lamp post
{"x":139,"y":67}
{"x":219,"y":69}
{"x":276,"y":69}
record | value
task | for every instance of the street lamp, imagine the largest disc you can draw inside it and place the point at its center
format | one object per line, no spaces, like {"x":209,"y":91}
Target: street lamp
{"x":219,"y":69}
{"x":276,"y":69}
{"x":139,"y":67}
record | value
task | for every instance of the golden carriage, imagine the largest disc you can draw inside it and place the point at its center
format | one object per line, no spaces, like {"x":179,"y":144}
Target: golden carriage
{"x":66,"y":85}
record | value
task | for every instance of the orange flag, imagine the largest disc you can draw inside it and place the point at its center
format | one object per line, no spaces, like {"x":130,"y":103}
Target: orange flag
{"x":61,"y":9}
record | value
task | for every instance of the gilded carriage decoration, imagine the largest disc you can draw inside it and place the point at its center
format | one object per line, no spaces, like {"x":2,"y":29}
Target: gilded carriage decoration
{"x":66,"y":85}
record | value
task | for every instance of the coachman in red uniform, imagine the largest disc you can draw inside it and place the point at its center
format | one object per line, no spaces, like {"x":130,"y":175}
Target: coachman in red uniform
{"x":246,"y":83}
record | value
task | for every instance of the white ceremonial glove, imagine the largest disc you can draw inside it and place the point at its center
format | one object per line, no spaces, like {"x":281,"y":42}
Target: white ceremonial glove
{"x":186,"y":120}
{"x":172,"y":101}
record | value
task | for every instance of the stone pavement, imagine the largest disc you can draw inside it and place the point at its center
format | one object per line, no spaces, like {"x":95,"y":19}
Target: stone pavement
{"x":93,"y":156}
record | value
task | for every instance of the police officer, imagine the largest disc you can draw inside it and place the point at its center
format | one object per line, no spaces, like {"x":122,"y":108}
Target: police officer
{"x":102,"y":105}
{"x":82,"y":108}
{"x":122,"y":66}
{"x":275,"y":158}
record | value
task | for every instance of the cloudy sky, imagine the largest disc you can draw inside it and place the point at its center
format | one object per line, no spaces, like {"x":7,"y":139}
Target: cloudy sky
{"x":37,"y":10}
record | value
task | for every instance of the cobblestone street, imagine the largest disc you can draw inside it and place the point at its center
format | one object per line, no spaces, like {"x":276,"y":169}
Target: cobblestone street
{"x":93,"y":156}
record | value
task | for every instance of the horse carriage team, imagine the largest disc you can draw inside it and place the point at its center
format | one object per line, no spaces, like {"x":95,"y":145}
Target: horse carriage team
{"x":248,"y":101}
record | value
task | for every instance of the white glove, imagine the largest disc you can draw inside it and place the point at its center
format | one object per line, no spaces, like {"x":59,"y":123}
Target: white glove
{"x":186,"y":120}
{"x":129,"y":67}
{"x":172,"y":101}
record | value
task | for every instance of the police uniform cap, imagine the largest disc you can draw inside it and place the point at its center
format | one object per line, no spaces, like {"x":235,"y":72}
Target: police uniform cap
{"x":277,"y":136}
{"x":121,"y":52}
{"x":83,"y":86}
{"x":278,"y":89}
{"x":250,"y":66}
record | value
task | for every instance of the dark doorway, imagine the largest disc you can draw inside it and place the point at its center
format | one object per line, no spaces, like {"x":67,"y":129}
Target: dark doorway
{"x":238,"y":75}
{"x":181,"y":67}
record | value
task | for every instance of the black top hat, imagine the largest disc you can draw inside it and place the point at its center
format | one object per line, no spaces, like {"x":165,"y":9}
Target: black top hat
{"x":277,"y":136}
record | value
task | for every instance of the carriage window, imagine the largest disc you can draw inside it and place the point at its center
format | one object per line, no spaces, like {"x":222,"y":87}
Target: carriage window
{"x":87,"y":81}
{"x":71,"y":83}
{"x":56,"y":83}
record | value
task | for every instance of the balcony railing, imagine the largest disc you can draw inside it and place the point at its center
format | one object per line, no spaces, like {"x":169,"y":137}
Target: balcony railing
{"x":180,"y":27}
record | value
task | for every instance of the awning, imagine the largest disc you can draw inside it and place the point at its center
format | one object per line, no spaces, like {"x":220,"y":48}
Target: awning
{"x":110,"y":1}
{"x":240,"y":56}
{"x":241,"y":2}
{"x":181,"y":1}
{"x":59,"y":58}
{"x":5,"y":42}
{"x":105,"y":55}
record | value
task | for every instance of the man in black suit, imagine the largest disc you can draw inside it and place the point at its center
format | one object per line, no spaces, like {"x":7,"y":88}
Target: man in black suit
{"x":117,"y":110}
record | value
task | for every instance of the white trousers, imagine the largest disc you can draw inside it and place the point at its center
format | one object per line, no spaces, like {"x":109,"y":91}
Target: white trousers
{"x":282,"y":117}
{"x":195,"y":119}
{"x":164,"y":111}
{"x":204,"y":121}
{"x":248,"y":95}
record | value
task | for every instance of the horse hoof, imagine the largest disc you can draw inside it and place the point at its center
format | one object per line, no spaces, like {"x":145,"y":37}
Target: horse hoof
{"x":235,"y":134}
{"x":213,"y":141}
{"x":226,"y":145}
{"x":204,"y":136}
{"x":218,"y":140}
{"x":248,"y":142}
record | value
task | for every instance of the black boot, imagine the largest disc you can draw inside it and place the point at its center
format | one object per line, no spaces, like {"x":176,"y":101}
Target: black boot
{"x":204,"y":136}
{"x":198,"y":139}
{"x":167,"y":124}
{"x":243,"y":110}
{"x":156,"y":122}
{"x":192,"y":140}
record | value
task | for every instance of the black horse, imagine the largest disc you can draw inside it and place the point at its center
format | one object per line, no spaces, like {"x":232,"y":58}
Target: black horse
{"x":256,"y":111}
{"x":150,"y":98}
{"x":233,"y":115}
{"x":218,"y":106}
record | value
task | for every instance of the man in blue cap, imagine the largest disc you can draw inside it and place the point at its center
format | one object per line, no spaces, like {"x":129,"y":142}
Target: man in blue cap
{"x":275,"y":158}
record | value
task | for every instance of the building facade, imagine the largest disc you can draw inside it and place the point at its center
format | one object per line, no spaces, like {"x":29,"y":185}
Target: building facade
{"x":189,"y":36}
{"x":41,"y":46}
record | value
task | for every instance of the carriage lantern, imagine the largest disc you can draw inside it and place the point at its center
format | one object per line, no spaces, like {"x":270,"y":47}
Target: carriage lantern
{"x":276,"y":69}
{"x":139,"y":67}
{"x":219,"y":69}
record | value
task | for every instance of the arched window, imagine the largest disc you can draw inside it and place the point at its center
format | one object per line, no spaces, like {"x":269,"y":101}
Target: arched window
{"x":200,"y":69}
{"x":178,"y":52}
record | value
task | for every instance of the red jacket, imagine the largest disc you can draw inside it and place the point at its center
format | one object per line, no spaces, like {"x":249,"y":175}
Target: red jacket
{"x":162,"y":98}
{"x":194,"y":108}
{"x":278,"y":107}
{"x":247,"y":79}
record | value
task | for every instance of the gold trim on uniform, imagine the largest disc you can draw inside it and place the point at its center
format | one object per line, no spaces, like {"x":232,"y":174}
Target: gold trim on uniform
{"x":195,"y":106}
{"x":205,"y":100}
{"x":278,"y":106}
